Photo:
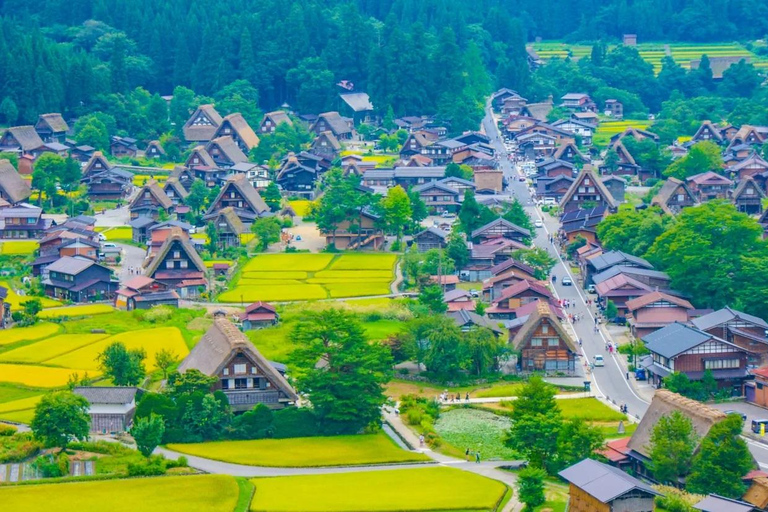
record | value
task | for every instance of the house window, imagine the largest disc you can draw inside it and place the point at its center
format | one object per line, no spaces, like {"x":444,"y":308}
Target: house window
{"x":168,"y":264}
{"x":241,"y":383}
{"x":183,"y":264}
{"x":226,"y":371}
{"x":254,"y":370}
{"x":680,"y":198}
{"x":239,"y":368}
{"x":536,"y":342}
{"x":545,"y":329}
{"x":225,"y":383}
{"x":553,"y":342}
{"x":177,"y":254}
{"x":720,"y":364}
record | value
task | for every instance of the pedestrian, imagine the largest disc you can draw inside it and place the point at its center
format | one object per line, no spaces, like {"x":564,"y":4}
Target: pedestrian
{"x":467,"y":453}
{"x":627,"y":375}
{"x":477,"y":457}
{"x":580,"y":342}
{"x":458,"y":397}
{"x":421,"y":440}
{"x":467,"y":397}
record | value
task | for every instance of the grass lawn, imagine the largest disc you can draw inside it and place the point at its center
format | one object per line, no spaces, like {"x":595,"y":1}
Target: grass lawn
{"x":499,"y":391}
{"x":72,"y":311}
{"x":49,"y":348}
{"x":34,"y":332}
{"x":379,"y":491}
{"x":480,"y":431}
{"x":304,"y":451}
{"x":13,"y":394}
{"x":203,"y":493}
{"x":18,"y":247}
{"x":589,"y":409}
{"x":300,"y":207}
{"x":151,"y":340}
{"x":35,"y":376}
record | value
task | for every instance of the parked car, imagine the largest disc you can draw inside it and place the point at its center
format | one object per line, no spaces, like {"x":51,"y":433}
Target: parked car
{"x":591,"y":289}
{"x":298,"y":238}
{"x":756,"y":425}
{"x":537,"y":223}
{"x":599,"y":361}
{"x":108,"y":244}
{"x":619,"y":320}
{"x":738,"y":413}
{"x":448,"y":215}
{"x":474,"y":293}
{"x":567,"y":281}
{"x":102,"y":237}
{"x":550,"y":201}
{"x":521,"y":178}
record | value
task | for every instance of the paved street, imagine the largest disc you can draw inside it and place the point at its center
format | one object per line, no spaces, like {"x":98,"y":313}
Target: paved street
{"x":609,"y":382}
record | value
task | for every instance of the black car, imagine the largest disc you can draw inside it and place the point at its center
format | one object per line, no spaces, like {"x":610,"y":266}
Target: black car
{"x":619,"y":320}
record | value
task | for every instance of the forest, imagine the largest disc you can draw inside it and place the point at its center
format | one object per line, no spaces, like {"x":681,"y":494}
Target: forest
{"x":415,"y":56}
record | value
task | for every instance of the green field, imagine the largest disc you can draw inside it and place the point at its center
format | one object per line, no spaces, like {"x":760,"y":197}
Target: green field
{"x":653,"y":53}
{"x":72,"y":311}
{"x":305,"y":451}
{"x":49,"y":348}
{"x":428,"y":489}
{"x":204,"y":493}
{"x":34,"y":332}
{"x":480,"y":431}
{"x":119,"y":233}
{"x":304,"y":276}
{"x":589,"y":409}
{"x":18,"y":247}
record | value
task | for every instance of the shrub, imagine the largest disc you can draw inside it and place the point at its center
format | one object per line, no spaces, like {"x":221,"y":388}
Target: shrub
{"x":294,"y":422}
{"x":153,"y":466}
{"x":181,"y":462}
{"x":254,"y":424}
{"x":158,"y":314}
{"x":50,"y":467}
{"x":7,"y":430}
{"x":18,"y":447}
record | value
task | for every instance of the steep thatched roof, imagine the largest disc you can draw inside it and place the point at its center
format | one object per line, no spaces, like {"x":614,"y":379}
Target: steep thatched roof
{"x":55,"y":122}
{"x":12,"y":186}
{"x":228,"y":148}
{"x":664,"y":403}
{"x":220,"y":344}
{"x":588,"y":172}
{"x":202,"y":132}
{"x":158,"y":193}
{"x":241,"y":127}
{"x":176,"y":235}
{"x":250,"y":194}
{"x":176,"y":185}
{"x":231,"y":218}
{"x":27,"y":137}
{"x":542,"y":313}
{"x":667,"y":191}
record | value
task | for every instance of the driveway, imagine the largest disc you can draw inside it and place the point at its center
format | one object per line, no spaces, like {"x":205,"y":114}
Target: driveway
{"x":132,"y":257}
{"x":115,"y":217}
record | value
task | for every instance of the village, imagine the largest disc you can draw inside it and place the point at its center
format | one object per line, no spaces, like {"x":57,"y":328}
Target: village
{"x":557,"y":309}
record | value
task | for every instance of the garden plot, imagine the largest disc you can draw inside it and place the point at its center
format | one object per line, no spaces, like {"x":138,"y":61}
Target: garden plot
{"x":35,"y":332}
{"x":480,"y":431}
{"x":304,"y":276}
{"x":204,"y":493}
{"x":405,"y":490}
{"x":151,"y":340}
{"x":305,"y":451}
{"x":52,"y":347}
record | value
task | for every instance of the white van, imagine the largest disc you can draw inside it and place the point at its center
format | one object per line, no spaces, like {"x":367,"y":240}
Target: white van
{"x":599,"y":361}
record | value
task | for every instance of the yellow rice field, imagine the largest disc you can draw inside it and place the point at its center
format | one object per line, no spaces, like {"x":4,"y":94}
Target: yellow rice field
{"x":35,"y":332}
{"x":72,"y":311}
{"x":52,"y":347}
{"x":36,"y":376}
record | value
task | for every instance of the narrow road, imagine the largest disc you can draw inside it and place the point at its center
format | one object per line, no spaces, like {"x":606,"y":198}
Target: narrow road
{"x":609,"y":382}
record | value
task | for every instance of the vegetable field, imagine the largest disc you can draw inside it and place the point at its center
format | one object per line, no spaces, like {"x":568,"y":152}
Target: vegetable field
{"x":303,"y":276}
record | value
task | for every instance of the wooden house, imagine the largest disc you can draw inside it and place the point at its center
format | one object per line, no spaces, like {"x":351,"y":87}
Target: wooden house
{"x":715,"y":503}
{"x":582,"y":223}
{"x":235,"y":126}
{"x":228,"y":226}
{"x":357,"y":105}
{"x":154,"y":150}
{"x":654,"y":310}
{"x":489,"y":180}
{"x":499,"y":97}
{"x":185,"y":176}
{"x":747,"y":331}
{"x":748,"y":135}
{"x":597,"y":487}
{"x":555,"y":188}
{"x":430,"y":238}
{"x":500,"y":228}
{"x":13,"y":188}
{"x":456,"y":298}
{"x":272,"y":119}
{"x":51,"y":128}
{"x":123,"y":147}
{"x":142,"y":292}
{"x":685,"y":349}
{"x":748,"y":197}
{"x":326,"y":144}
{"x":21,"y":139}
{"x":709,"y":185}
{"x":577,"y":101}
{"x":538,"y":111}
{"x":664,"y":403}
{"x":617,"y":186}
{"x":708,"y":132}
{"x":178,"y":266}
{"x":673,"y":196}
{"x":626,"y":165}
{"x":621,"y":289}
{"x":543,"y":344}
{"x":568,"y":152}
{"x":109,"y":184}
{"x":23,"y":222}
{"x":614,"y":109}
{"x":258,"y":315}
{"x":494,"y":286}
{"x":757,"y":392}
{"x":202,"y":124}
{"x":333,"y":122}
{"x":415,"y":144}
{"x":636,"y":133}
{"x":467,"y":320}
{"x":111,"y":408}
{"x":199,"y":157}
{"x":610,"y":259}
{"x":175,"y":191}
{"x":150,"y":201}
{"x":552,"y":168}
{"x":513,"y":297}
{"x":753,"y":165}
{"x":587,"y":191}
{"x":484,"y":255}
{"x":238,"y":193}
{"x":79,"y":279}
{"x":583,"y":130}
{"x":297,"y":176}
{"x":438,"y":197}
{"x":365,"y":232}
{"x":97,"y":163}
{"x":225,"y":152}
{"x":241,"y":372}
{"x":82,"y":153}
{"x":757,"y":494}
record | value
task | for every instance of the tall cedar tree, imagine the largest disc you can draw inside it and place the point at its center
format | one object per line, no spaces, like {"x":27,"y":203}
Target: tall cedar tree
{"x":722,"y":461}
{"x":61,"y":417}
{"x":347,"y":390}
{"x":673,"y":441}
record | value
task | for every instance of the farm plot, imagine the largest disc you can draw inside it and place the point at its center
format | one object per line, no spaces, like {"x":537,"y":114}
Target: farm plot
{"x":22,"y":248}
{"x":305,"y":451}
{"x":35,"y":332}
{"x":204,"y":493}
{"x":608,"y":129}
{"x":119,"y":233}
{"x":16,"y":300}
{"x":36,"y":376}
{"x":72,"y":311}
{"x":295,"y":277}
{"x":150,"y":340}
{"x":379,"y":491}
{"x":301,"y":208}
{"x":480,"y":431}
{"x":47,"y":349}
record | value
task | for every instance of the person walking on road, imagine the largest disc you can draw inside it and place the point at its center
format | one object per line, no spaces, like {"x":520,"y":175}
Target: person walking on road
{"x":421,"y":440}
{"x":477,"y":457}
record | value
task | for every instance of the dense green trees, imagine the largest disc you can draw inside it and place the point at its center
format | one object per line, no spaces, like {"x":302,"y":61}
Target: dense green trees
{"x":124,"y":366}
{"x":61,"y":417}
{"x":672,"y":443}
